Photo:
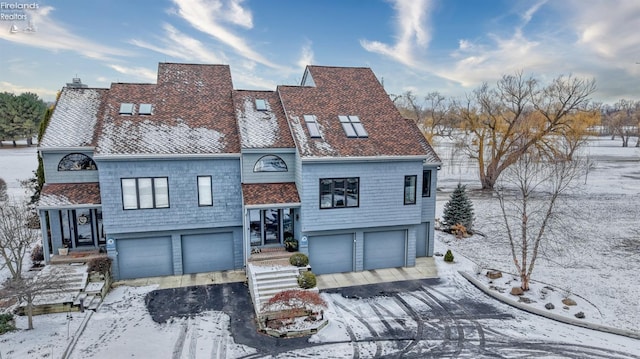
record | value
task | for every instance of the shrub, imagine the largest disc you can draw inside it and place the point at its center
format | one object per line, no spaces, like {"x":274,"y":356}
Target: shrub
{"x":448,"y":257}
{"x":37,"y":255}
{"x":299,"y":260}
{"x":6,"y":323}
{"x":100,"y":265}
{"x":295,"y":299}
{"x":307,"y":280}
{"x":291,"y":244}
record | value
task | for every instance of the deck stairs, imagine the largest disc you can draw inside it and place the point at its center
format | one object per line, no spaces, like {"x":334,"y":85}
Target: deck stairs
{"x":269,"y":273}
{"x":70,"y":290}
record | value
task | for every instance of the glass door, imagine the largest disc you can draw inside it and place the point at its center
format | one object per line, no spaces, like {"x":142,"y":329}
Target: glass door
{"x":271,"y":225}
{"x":84,"y":227}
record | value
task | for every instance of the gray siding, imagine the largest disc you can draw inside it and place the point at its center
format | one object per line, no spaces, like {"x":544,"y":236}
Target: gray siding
{"x":429,"y":203}
{"x":381,"y":197}
{"x":249,"y":160}
{"x":50,"y":162}
{"x":184,"y":212}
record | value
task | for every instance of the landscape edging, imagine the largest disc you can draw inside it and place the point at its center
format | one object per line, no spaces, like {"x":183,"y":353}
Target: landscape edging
{"x":546,"y":314}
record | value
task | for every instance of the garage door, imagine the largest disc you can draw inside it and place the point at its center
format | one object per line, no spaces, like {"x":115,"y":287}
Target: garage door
{"x":384,"y":249}
{"x":422,"y":240}
{"x":331,"y":254}
{"x":207,"y":252}
{"x":144,"y":257}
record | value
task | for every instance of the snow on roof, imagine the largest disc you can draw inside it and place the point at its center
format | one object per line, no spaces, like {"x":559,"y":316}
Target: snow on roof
{"x":69,"y":194}
{"x":149,"y":137}
{"x":258,"y":129}
{"x":74,"y":118}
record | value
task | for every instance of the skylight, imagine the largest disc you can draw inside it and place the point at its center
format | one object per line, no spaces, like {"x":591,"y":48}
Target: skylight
{"x":145,"y":109}
{"x":353,"y":127}
{"x":261,"y":104}
{"x":126,"y":109}
{"x":312,"y":126}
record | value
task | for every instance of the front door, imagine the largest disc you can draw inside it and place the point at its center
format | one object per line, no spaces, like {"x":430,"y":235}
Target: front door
{"x":269,"y":226}
{"x":84,"y":227}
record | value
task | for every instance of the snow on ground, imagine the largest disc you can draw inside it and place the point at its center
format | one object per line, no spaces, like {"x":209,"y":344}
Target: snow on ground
{"x":17,"y":164}
{"x":596,"y":258}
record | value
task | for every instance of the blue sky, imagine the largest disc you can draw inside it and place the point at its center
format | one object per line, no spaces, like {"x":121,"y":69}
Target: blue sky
{"x":450,"y":46}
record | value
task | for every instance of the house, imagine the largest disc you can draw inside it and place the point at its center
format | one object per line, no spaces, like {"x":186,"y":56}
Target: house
{"x":189,"y":175}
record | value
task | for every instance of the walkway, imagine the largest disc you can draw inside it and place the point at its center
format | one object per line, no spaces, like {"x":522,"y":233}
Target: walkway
{"x":425,"y":268}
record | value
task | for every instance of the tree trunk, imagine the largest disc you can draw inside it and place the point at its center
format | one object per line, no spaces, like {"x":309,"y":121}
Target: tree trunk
{"x":524,"y":279}
{"x":30,"y":313}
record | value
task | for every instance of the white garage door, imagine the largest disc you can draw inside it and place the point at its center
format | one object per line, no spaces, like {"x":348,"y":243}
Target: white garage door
{"x":331,"y":254}
{"x":384,"y":249}
{"x":144,"y":257}
{"x":207,"y":252}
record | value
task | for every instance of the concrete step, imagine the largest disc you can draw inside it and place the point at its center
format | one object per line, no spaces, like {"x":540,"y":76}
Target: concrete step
{"x":276,"y":274}
{"x":94,"y":287}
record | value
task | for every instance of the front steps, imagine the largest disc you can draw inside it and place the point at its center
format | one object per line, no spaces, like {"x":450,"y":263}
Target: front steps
{"x":269,"y":273}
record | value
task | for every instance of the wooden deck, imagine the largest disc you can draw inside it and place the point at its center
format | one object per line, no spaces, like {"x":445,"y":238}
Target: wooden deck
{"x":76,"y":257}
{"x":271,"y":256}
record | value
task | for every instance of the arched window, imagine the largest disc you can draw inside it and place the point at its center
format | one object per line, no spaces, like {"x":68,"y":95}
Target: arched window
{"x":76,"y":162}
{"x":270,"y":163}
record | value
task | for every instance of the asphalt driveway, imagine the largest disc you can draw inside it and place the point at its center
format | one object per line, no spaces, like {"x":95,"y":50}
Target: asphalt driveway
{"x":409,"y":319}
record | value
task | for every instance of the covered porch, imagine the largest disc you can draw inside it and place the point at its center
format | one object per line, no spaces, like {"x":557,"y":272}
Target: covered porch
{"x":271,"y":213}
{"x":70,"y":219}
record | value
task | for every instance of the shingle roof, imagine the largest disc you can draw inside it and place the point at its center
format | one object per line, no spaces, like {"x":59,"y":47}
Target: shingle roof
{"x":69,"y":194}
{"x":73,"y":121}
{"x":261,"y":129}
{"x":192,"y":114}
{"x":349,"y":91}
{"x":270,"y":193}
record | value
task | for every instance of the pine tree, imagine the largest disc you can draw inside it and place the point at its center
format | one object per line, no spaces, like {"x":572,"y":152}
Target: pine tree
{"x":459,"y":209}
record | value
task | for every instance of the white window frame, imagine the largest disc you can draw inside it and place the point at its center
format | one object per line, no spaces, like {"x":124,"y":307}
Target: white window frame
{"x":205,"y":191}
{"x":145,"y":192}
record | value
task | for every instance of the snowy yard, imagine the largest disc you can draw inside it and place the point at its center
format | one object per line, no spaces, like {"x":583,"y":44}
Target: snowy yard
{"x":599,"y":264}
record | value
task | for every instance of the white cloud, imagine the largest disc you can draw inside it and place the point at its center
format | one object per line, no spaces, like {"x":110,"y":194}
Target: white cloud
{"x":410,"y":33}
{"x":208,"y":17}
{"x":46,"y":94}
{"x":137,"y":72}
{"x":178,"y":45}
{"x":51,"y":35}
{"x":306,"y":56}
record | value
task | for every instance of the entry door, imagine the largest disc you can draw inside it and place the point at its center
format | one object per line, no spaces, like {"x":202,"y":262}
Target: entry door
{"x":270,"y":226}
{"x":84,"y":227}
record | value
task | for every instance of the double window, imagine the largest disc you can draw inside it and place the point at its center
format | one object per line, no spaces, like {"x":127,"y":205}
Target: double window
{"x":339,"y":192}
{"x":145,"y":192}
{"x":205,"y":195}
{"x":410,"y":189}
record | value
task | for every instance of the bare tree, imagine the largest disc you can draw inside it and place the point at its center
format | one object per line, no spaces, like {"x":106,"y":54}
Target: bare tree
{"x":623,"y":119}
{"x":15,"y":236}
{"x":528,"y":194}
{"x":499,"y":125}
{"x":432,"y":113}
{"x":3,"y":190}
{"x":26,"y":290}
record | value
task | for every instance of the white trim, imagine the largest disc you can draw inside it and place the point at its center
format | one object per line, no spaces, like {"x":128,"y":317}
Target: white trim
{"x":66,"y":149}
{"x":422,"y":158}
{"x":268,"y":150}
{"x":165,"y":156}
{"x":273,"y":205}
{"x":70,"y":206}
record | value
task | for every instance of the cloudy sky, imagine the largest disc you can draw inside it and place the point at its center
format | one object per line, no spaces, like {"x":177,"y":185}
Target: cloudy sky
{"x":450,"y":46}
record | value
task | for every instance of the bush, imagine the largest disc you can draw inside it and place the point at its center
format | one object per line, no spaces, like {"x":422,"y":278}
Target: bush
{"x":291,"y":244}
{"x":37,"y":255}
{"x":100,"y":265}
{"x":295,"y":299}
{"x":299,"y":260}
{"x":307,"y":280}
{"x":6,"y":323}
{"x":448,"y":257}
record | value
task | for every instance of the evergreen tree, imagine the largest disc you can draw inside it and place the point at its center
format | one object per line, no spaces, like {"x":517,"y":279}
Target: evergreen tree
{"x":459,"y":209}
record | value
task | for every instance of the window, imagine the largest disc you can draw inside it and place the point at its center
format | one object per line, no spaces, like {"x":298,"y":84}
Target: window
{"x":410,"y":189}
{"x":145,"y":109}
{"x":261,"y":104}
{"x":270,"y":163}
{"x":339,"y":192}
{"x":205,"y":197}
{"x":76,"y":162}
{"x":126,"y":109}
{"x":353,"y":127}
{"x":142,"y":193}
{"x":312,"y":126}
{"x":426,"y":183}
